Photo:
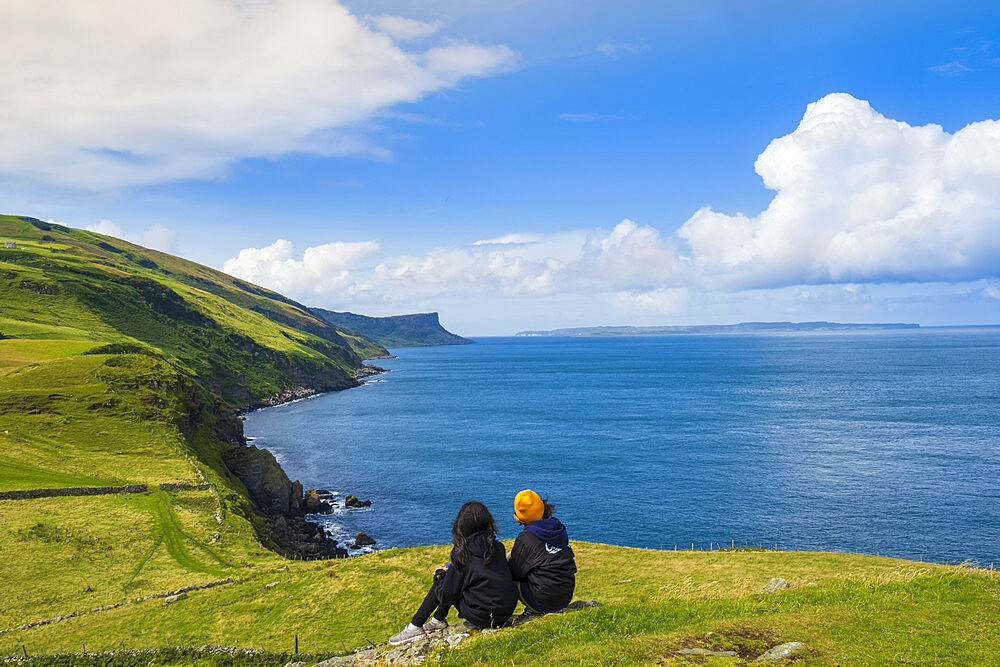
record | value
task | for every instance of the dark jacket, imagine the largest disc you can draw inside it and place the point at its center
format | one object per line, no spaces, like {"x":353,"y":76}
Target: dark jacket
{"x":484,"y":594}
{"x":542,"y":561}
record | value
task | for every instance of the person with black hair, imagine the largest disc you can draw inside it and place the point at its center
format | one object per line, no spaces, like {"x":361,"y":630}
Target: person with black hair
{"x":477,"y":581}
{"x":541,"y":560}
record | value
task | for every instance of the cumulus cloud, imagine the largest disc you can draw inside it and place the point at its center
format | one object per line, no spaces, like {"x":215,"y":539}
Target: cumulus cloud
{"x":860,"y":198}
{"x":628,"y":256}
{"x":156,"y":236}
{"x":125,"y":92}
{"x":321,"y":270}
{"x":661,"y":301}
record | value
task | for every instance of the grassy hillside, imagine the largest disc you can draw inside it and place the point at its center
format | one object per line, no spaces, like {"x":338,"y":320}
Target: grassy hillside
{"x":862,"y":610}
{"x":243,"y":342}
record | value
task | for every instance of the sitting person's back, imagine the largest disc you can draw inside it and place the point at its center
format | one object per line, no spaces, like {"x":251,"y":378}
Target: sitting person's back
{"x":541,"y":560}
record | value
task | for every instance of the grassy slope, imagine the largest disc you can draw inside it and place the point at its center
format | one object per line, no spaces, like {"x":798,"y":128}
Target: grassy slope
{"x":73,"y":418}
{"x":864,"y":609}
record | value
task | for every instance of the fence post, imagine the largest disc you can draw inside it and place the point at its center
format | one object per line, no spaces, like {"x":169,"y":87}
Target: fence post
{"x":296,"y":644}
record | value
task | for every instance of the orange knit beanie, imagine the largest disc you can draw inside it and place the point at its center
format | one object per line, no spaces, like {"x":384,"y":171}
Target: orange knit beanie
{"x":528,"y":506}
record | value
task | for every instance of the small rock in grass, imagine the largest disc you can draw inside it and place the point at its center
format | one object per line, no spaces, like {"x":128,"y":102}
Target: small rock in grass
{"x":270,"y":585}
{"x":788,"y":650}
{"x":580,"y":604}
{"x":175,"y":598}
{"x":775,"y":585}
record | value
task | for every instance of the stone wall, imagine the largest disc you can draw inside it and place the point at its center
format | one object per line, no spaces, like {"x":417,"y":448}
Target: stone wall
{"x":27,"y":494}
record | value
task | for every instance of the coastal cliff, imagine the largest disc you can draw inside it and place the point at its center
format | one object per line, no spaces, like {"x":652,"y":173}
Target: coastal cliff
{"x":416,"y":330}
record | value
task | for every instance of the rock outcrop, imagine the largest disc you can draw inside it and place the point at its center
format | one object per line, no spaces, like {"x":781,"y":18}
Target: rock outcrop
{"x":363,"y":540}
{"x":312,"y":503}
{"x":414,"y":653}
{"x":304,"y":540}
{"x":267,"y":483}
{"x":353,"y":501}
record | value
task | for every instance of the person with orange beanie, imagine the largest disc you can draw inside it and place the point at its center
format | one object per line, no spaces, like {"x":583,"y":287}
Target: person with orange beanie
{"x":541,"y":560}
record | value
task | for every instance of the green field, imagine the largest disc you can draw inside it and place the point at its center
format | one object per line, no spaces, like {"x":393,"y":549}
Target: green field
{"x":862,"y":610}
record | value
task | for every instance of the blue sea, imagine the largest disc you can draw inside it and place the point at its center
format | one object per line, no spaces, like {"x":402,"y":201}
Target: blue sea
{"x":874,"y":442}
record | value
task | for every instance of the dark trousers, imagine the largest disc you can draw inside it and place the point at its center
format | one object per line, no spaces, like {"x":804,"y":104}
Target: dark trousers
{"x":432,"y":603}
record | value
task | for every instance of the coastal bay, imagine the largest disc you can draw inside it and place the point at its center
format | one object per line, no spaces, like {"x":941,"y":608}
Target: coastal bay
{"x":876,"y":442}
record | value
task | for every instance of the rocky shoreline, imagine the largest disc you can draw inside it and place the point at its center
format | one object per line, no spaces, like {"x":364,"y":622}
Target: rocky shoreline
{"x":282,"y":503}
{"x":298,"y":393}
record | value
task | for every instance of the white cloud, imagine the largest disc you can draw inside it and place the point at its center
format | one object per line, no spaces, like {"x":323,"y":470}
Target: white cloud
{"x":613,"y":50}
{"x":156,"y":236}
{"x":992,"y":292}
{"x":628,"y":256}
{"x":126,"y":92}
{"x":954,"y":68}
{"x":322,"y":269}
{"x":661,"y":301}
{"x":860,"y":198}
{"x":402,"y":28}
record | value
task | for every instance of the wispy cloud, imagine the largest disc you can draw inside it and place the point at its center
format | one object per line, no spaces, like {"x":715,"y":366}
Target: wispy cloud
{"x":403,"y":29}
{"x":613,"y":50}
{"x":953,"y":68}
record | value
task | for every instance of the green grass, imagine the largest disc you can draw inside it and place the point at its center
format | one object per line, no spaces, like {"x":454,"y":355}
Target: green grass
{"x":872,"y":610}
{"x":65,"y":422}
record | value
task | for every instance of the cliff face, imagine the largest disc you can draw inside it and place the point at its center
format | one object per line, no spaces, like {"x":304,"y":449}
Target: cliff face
{"x":420,"y":329}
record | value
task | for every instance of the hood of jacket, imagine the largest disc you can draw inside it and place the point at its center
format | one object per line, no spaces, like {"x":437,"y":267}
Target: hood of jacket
{"x":551,"y":531}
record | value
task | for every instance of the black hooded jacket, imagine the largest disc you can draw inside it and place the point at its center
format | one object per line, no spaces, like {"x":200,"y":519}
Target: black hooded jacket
{"x":542,"y":560}
{"x":484,"y":594}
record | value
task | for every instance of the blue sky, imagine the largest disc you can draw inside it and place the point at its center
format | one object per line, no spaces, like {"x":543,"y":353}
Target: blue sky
{"x":356,"y":156}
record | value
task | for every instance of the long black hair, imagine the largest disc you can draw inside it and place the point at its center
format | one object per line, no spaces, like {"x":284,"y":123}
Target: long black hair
{"x":473,"y":518}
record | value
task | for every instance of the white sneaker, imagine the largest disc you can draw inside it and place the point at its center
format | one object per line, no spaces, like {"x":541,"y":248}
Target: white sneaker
{"x":434,"y":625}
{"x":410,"y":633}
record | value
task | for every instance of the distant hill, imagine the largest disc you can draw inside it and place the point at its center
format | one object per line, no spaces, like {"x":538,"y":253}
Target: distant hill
{"x":742,"y":327}
{"x":415,"y":330}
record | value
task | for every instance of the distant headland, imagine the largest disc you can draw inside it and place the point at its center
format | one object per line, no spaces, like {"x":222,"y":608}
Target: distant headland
{"x":416,"y":330}
{"x":742,"y":327}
